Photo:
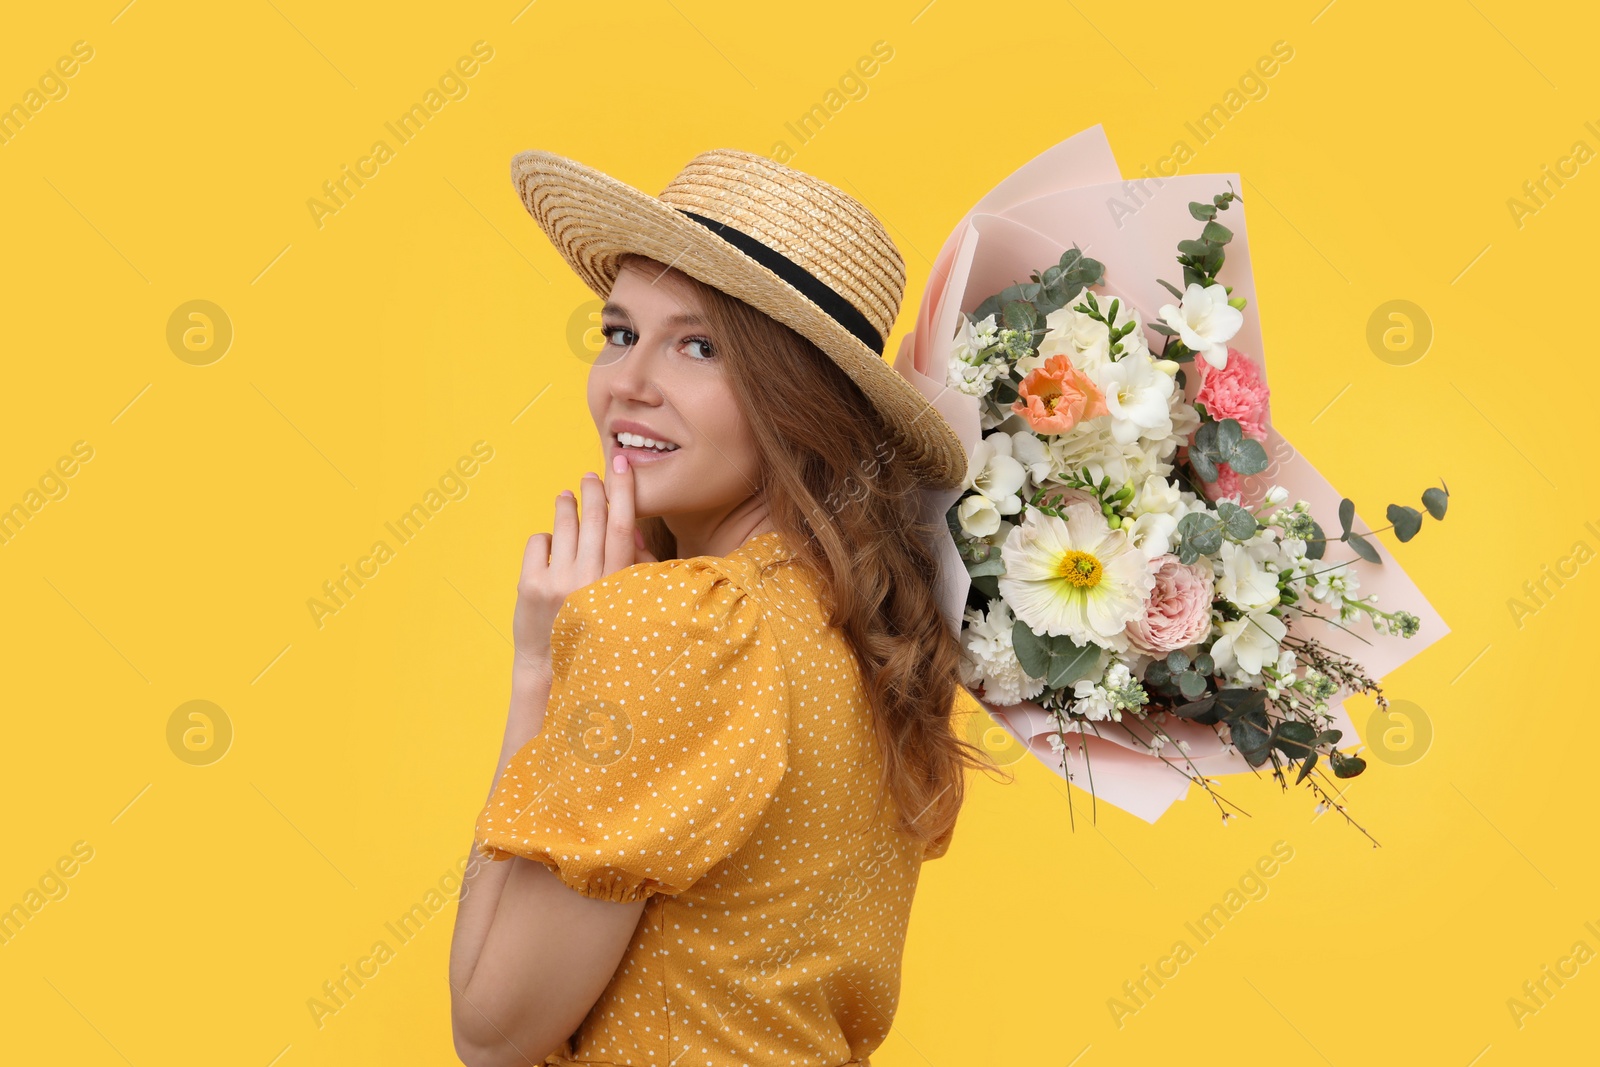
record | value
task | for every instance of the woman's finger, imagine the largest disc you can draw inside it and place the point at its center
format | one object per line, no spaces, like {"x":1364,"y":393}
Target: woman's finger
{"x":621,"y":548}
{"x":592,"y":530}
{"x":564,"y":539}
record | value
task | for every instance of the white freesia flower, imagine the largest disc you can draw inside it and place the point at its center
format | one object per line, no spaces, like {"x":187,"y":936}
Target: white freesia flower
{"x":994,"y":472}
{"x":1245,"y":581}
{"x":1075,"y":576}
{"x":1249,"y":642}
{"x":1138,"y":397}
{"x":1157,"y":496}
{"x":1185,"y":418}
{"x":977,"y":515}
{"x":1029,"y":449}
{"x":1205,"y":321}
{"x":1152,"y":532}
{"x":989,"y":657}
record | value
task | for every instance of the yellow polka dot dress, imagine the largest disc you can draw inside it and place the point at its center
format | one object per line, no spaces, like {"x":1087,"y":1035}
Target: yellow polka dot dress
{"x":707,"y":747}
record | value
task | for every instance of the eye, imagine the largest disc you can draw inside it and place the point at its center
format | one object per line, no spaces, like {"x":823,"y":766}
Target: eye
{"x":708,"y":352}
{"x":608,"y":331}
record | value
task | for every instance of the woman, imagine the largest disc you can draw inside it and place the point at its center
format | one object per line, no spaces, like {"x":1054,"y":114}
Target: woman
{"x":714,"y":830}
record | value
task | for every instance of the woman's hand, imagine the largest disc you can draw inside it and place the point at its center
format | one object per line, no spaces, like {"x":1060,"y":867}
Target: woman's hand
{"x":576,"y":554}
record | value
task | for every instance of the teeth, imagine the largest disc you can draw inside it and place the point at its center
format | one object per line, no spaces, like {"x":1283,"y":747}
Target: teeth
{"x":633,"y":440}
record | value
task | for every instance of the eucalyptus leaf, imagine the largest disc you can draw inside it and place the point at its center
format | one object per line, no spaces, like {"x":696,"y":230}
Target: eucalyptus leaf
{"x":993,"y":565}
{"x":1305,"y":768}
{"x":1206,"y":712}
{"x":1191,"y":684}
{"x":1248,"y":457}
{"x":1229,"y":434}
{"x":1203,"y":212}
{"x":1251,"y":737}
{"x":1293,"y":738}
{"x":1435,"y":500}
{"x":1407,"y":521}
{"x":1363,"y":548}
{"x":1318,"y":545}
{"x":1347,"y":514}
{"x":1242,"y":701}
{"x":1169,"y":287}
{"x":1060,"y":661}
{"x":1346,"y":766}
{"x":1238,"y":522}
{"x":1216,"y":233}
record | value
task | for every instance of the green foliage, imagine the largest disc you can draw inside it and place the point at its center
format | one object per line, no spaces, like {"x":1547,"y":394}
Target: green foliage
{"x":1060,"y":661}
{"x":1048,"y":291}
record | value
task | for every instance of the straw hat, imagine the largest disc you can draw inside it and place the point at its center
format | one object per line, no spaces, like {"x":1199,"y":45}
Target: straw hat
{"x":782,"y":241}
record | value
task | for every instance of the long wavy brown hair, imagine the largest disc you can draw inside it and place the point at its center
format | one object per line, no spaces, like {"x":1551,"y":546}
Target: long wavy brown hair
{"x":851,"y":513}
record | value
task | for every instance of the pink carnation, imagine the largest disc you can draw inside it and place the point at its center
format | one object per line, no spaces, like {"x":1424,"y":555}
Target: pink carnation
{"x":1236,"y":392}
{"x":1178,"y":611}
{"x":1228,"y":483}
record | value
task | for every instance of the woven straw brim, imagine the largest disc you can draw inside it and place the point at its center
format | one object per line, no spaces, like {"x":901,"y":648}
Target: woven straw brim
{"x":593,"y":220}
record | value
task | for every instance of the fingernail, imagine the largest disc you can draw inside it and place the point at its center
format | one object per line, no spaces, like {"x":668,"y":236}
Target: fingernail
{"x":619,"y":463}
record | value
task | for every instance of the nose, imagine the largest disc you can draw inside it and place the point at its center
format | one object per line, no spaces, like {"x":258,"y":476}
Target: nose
{"x":628,"y":372}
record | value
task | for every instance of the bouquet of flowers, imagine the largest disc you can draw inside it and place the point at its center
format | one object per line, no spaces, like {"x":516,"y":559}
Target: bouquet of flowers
{"x":1139,"y":570}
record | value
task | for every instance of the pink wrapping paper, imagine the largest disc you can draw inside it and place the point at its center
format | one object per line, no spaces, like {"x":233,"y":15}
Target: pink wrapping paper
{"x":1068,"y":195}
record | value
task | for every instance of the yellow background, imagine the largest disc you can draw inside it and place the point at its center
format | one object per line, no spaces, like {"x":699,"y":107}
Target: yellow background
{"x":429,"y":313}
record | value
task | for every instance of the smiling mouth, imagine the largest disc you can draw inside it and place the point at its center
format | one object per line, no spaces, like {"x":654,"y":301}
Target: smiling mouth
{"x":632,"y":442}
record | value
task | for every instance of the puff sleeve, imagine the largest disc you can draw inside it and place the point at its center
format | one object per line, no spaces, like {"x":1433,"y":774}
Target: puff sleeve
{"x":665,"y":735}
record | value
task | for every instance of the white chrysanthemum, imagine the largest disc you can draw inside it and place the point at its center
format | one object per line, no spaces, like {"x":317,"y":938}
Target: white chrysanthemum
{"x":1205,"y":321}
{"x":1075,"y":576}
{"x":988,"y":657}
{"x":1246,"y":582}
{"x":1248,"y":642}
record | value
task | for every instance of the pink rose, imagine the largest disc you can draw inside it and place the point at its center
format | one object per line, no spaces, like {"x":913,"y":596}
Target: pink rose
{"x":1178,"y":611}
{"x":1235,"y":392}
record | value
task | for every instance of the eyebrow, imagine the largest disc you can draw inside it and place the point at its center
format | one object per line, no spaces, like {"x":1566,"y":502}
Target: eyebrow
{"x":680,"y":319}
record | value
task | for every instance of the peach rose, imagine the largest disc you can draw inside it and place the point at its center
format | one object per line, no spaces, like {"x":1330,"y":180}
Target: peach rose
{"x":1178,"y":610}
{"x":1056,"y":396}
